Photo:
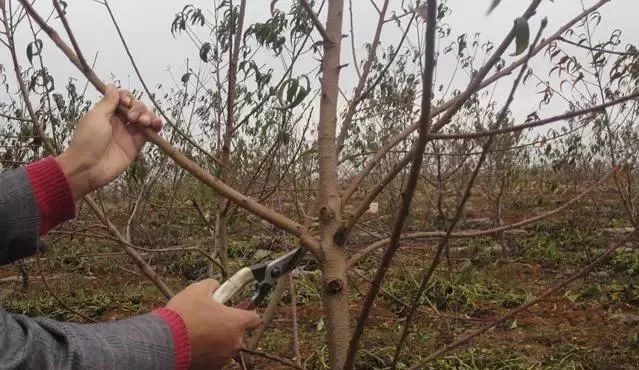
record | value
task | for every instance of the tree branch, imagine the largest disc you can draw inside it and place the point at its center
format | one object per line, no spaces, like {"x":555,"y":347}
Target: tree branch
{"x":443,"y":245}
{"x":593,"y":49}
{"x":407,"y":198}
{"x":356,"y":182}
{"x":12,"y":118}
{"x":479,"y":233}
{"x":545,"y":121}
{"x":352,"y":107}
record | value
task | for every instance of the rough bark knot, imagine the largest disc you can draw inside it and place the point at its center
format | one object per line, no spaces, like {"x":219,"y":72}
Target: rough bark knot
{"x":334,"y":286}
{"x":326,"y":214}
{"x":340,"y":236}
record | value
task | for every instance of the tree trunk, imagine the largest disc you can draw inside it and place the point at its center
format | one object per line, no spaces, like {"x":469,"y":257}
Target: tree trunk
{"x":221,"y":222}
{"x":335,"y":299}
{"x":332,"y":232}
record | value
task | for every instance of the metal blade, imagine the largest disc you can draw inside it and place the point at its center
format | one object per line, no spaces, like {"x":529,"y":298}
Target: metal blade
{"x":289,"y":261}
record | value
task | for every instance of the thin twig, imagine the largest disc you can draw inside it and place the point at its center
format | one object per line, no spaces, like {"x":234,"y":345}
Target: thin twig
{"x":355,"y":61}
{"x":269,"y":313}
{"x":272,"y":358}
{"x":12,"y":118}
{"x":296,"y":338}
{"x":591,"y":49}
{"x":537,"y":123}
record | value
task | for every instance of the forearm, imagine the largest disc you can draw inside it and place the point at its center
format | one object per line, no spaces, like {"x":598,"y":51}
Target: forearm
{"x":143,"y":342}
{"x":33,"y":200}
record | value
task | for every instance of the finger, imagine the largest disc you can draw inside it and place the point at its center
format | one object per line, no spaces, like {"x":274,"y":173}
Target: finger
{"x":208,"y":285}
{"x":145,"y":119}
{"x":251,"y":320}
{"x":126,"y":98}
{"x":157,"y":124}
{"x":109,"y":102}
{"x":136,"y":111}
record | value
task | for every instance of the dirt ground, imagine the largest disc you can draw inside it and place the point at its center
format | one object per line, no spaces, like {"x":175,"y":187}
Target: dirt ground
{"x":594,"y":324}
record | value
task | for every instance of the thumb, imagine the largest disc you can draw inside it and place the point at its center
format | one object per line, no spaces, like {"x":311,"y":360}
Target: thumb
{"x":208,"y":285}
{"x":109,"y":102}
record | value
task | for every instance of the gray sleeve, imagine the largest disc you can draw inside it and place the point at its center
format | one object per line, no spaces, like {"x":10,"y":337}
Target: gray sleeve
{"x":143,"y":342}
{"x":19,"y":217}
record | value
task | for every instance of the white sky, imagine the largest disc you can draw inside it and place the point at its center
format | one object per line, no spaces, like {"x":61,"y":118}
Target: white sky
{"x":146,"y":26}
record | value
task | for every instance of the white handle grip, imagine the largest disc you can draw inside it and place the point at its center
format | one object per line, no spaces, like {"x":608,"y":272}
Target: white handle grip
{"x":232,"y":285}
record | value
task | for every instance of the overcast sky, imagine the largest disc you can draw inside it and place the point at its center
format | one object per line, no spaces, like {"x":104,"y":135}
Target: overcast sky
{"x":146,"y":26}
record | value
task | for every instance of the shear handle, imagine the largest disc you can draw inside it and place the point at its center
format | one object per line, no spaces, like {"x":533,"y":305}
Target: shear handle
{"x":233,"y":285}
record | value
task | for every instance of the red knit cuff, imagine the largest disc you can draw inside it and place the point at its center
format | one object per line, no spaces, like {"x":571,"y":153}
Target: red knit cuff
{"x":180,"y":337}
{"x":52,"y":192}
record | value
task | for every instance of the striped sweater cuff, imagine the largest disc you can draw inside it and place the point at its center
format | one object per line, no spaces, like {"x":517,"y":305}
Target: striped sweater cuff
{"x":52,"y":192}
{"x":180,"y":337}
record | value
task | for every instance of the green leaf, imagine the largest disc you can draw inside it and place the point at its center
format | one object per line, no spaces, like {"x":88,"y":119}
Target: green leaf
{"x":493,"y":6}
{"x":204,"y":52}
{"x":33,"y":49}
{"x":292,"y":92}
{"x":42,"y":82}
{"x":522,"y":35}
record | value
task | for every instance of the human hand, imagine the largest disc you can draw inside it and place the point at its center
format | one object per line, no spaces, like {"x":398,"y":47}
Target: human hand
{"x":104,"y":144}
{"x":216,"y":332}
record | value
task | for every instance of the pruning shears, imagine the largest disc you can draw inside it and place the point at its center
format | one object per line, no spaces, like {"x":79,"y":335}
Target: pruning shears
{"x":265,"y":275}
